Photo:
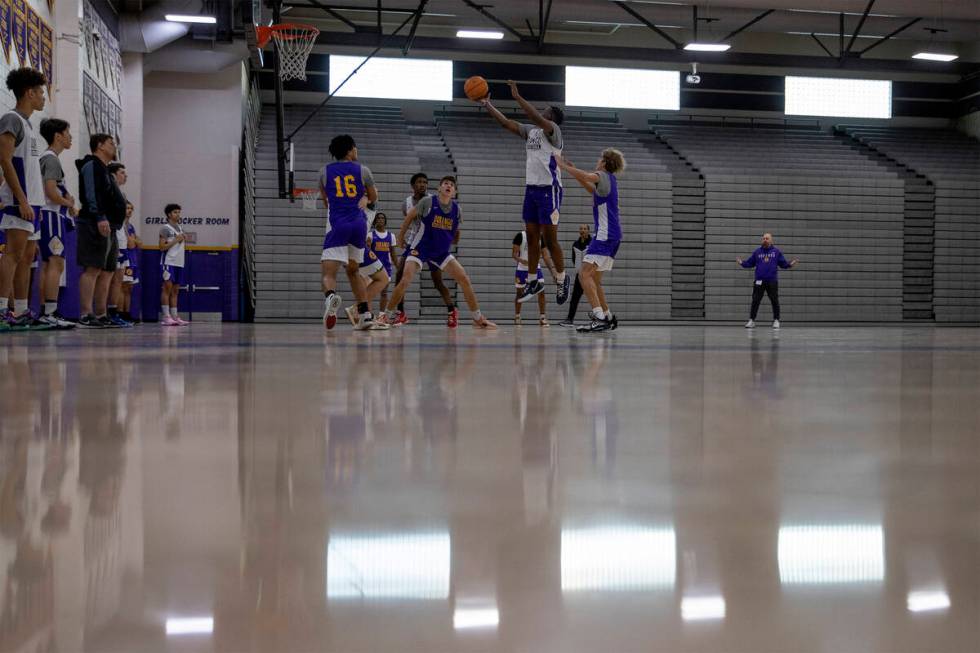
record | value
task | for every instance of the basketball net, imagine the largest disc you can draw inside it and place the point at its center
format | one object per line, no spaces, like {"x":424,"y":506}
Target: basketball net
{"x":294,"y":42}
{"x":310,"y":197}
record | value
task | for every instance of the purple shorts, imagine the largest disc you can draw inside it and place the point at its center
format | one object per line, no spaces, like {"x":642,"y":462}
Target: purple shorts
{"x":542,"y":204}
{"x":520,"y":277}
{"x":173,"y":274}
{"x":345,"y":242}
{"x":53,"y":228}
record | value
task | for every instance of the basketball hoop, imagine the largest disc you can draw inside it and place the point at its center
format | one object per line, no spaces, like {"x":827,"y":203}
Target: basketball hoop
{"x":310,"y":197}
{"x":294,"y":42}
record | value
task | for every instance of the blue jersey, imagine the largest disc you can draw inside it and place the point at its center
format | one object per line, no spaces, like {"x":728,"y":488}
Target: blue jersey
{"x":605,"y":213}
{"x":438,"y":228}
{"x":381,"y":246}
{"x":344,"y":189}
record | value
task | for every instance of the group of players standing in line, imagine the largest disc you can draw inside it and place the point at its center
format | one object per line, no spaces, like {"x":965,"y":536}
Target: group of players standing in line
{"x":36,"y":212}
{"x":431,"y":228}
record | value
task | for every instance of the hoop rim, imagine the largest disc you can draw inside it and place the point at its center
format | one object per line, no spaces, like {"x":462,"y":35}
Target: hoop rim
{"x":300,"y":192}
{"x":265,"y":33}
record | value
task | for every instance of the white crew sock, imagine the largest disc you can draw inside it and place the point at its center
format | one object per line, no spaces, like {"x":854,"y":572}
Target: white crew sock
{"x":20,"y":306}
{"x":561,"y":277}
{"x":4,"y":302}
{"x":477,"y":315}
{"x":598,"y":313}
{"x":50,"y":307}
{"x":166,"y":310}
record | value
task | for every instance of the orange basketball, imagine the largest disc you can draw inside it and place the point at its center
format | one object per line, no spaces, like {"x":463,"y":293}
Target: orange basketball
{"x":476,"y":88}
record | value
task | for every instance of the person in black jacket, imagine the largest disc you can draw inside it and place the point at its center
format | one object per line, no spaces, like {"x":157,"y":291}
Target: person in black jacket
{"x":103,"y":212}
{"x":578,"y":252}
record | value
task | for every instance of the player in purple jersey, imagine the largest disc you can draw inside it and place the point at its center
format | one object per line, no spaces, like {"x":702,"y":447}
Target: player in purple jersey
{"x":438,"y":219}
{"x":346,"y":188}
{"x":381,"y":243}
{"x":601,"y":254}
{"x":373,"y":272}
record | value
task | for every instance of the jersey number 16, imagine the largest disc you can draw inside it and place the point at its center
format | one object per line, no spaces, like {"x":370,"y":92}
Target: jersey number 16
{"x":349,"y":186}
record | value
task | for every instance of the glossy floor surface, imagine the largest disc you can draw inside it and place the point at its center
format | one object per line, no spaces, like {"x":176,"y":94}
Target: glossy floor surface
{"x":275,"y":489}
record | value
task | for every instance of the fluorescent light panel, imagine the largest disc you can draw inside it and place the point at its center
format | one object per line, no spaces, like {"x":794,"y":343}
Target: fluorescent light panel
{"x":478,"y":34}
{"x":190,"y":625}
{"x":826,"y":555}
{"x":393,"y":78}
{"x":935,"y":56}
{"x":473,"y":618}
{"x":708,"y":47}
{"x":841,"y":98}
{"x":618,"y":558}
{"x":185,"y":18}
{"x":622,"y":88}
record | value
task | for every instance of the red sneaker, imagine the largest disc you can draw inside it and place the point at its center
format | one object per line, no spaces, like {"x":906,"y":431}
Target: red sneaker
{"x":402,"y":318}
{"x":453,"y":320}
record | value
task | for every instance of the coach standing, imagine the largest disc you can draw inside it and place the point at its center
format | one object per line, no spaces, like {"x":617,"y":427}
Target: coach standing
{"x":103,"y":211}
{"x":766,"y":260}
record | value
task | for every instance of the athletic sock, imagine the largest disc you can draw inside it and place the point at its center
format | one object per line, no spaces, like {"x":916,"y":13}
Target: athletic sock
{"x":327,"y":294}
{"x":450,"y":307}
{"x":598,"y":314}
{"x":166,"y":311}
{"x":20,"y":306}
{"x":362,"y":308}
{"x":560,"y":277}
{"x":112,"y":309}
{"x":477,"y":315}
{"x":401,"y":307}
{"x":50,"y":308}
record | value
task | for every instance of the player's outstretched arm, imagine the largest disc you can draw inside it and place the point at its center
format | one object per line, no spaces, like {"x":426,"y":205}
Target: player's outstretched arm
{"x":510,"y":125}
{"x":533,"y":114}
{"x":588,"y":180}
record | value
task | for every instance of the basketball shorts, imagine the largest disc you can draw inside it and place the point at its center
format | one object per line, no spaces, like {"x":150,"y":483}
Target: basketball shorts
{"x":345,"y":241}
{"x":173,"y":274}
{"x":437,"y":261}
{"x":10,"y":219}
{"x":52,"y":240}
{"x":602,"y":254}
{"x":131,"y":271}
{"x":520,"y":278}
{"x":542,"y":204}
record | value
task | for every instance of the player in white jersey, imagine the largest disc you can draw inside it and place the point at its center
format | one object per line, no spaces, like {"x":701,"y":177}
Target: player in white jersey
{"x":519,"y":248}
{"x":172,"y":264}
{"x":57,"y":218}
{"x":544,"y":191}
{"x":22,"y":194}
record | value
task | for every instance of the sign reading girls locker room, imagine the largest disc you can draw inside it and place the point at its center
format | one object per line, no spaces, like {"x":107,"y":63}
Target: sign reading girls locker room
{"x":201,"y":231}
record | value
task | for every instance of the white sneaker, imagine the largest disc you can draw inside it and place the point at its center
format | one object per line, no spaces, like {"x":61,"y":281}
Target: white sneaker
{"x":330,"y":307}
{"x":750,"y":324}
{"x":352,"y":314}
{"x":775,"y":324}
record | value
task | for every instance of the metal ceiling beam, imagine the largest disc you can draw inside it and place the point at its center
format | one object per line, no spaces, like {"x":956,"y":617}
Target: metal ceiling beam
{"x":415,"y":26}
{"x":331,"y":12}
{"x":748,"y":25}
{"x":490,"y":16}
{"x":857,"y":30}
{"x":820,"y":43}
{"x":887,"y":37}
{"x":660,"y":32}
{"x":543,"y":28}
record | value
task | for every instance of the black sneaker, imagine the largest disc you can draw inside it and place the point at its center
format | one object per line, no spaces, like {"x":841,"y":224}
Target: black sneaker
{"x":107,"y":323}
{"x":595,"y":325}
{"x":90,"y":322}
{"x":530,"y":290}
{"x":614,"y":323}
{"x":568,"y":324}
{"x":563,"y":290}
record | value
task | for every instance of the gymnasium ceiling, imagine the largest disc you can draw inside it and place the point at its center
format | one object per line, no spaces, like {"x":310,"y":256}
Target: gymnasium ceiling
{"x":786,"y":29}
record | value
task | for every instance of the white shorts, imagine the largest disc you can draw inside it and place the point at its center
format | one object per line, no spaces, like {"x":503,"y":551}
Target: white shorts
{"x":368,"y":270}
{"x":13,"y":222}
{"x":343,"y":254}
{"x":439,"y":264}
{"x":603,"y":263}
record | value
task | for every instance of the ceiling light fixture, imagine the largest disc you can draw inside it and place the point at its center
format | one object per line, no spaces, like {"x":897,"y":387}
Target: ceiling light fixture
{"x":478,"y":34}
{"x":183,"y":18}
{"x":935,"y":56}
{"x":708,"y":47}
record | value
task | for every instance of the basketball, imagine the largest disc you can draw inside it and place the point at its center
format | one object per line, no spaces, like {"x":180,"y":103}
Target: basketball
{"x":476,"y":88}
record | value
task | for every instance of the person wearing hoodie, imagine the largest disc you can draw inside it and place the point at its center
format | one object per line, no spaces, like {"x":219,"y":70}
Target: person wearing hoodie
{"x":103,"y":213}
{"x":766,"y":260}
